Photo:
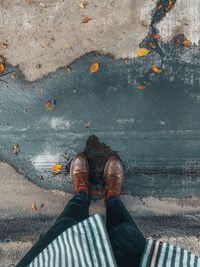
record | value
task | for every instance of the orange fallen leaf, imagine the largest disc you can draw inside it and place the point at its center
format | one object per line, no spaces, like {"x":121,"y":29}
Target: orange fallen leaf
{"x":141,"y":87}
{"x":85,"y":19}
{"x":94,"y":67}
{"x":34,"y":207}
{"x":56,"y":168}
{"x":156,"y":69}
{"x":83,"y":4}
{"x":187,"y":43}
{"x":50,"y":105}
{"x":2,"y":68}
{"x":157,"y":36}
{"x":141,"y":52}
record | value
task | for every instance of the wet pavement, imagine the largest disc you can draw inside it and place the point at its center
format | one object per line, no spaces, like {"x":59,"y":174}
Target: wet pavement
{"x":154,"y":131}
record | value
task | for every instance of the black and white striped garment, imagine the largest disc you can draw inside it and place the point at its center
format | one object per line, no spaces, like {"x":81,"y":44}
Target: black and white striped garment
{"x":86,"y":244}
{"x":161,"y":254}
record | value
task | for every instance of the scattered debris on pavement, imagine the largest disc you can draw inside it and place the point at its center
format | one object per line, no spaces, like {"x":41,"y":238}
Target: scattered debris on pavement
{"x":50,"y":104}
{"x":13,"y":76}
{"x":83,"y":4}
{"x":88,"y":124}
{"x":3,"y":45}
{"x":16,"y":149}
{"x":144,"y":23}
{"x":34,"y":207}
{"x":86,"y":19}
{"x":38,"y":66}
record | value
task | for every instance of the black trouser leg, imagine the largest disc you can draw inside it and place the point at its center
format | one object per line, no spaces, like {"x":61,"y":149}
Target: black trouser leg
{"x":127,"y":241}
{"x":76,"y":210}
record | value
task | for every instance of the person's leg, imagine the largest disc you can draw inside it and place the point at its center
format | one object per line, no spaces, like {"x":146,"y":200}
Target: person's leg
{"x":127,"y":241}
{"x":76,"y":210}
{"x":116,"y":213}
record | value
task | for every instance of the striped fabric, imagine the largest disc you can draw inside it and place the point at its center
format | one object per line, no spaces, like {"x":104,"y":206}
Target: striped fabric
{"x":85,"y":244}
{"x":159,"y":254}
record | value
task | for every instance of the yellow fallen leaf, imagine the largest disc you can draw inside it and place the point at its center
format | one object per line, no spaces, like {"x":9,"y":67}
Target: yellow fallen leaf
{"x":94,"y":67}
{"x":2,"y":68}
{"x":142,"y":52}
{"x":34,"y":207}
{"x":56,"y":168}
{"x":155,"y":69}
{"x":187,"y":43}
{"x":83,"y":4}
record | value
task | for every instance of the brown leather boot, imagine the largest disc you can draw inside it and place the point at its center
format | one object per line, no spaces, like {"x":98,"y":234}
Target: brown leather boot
{"x":79,"y":172}
{"x":114,"y":175}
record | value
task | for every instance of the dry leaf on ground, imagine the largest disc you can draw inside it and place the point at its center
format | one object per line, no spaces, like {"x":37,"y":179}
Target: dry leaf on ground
{"x":141,"y":87}
{"x":34,"y":207}
{"x":141,"y":52}
{"x":2,"y":68}
{"x":50,"y":104}
{"x":156,"y":69}
{"x":85,"y":19}
{"x":56,"y":168}
{"x":94,"y":67}
{"x":187,"y":43}
{"x":83,"y":4}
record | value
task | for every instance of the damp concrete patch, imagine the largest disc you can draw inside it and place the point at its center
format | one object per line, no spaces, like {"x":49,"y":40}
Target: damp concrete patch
{"x":154,"y":131}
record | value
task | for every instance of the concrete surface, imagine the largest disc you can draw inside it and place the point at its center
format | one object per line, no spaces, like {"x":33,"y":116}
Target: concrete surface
{"x":167,"y":219}
{"x":51,"y":33}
